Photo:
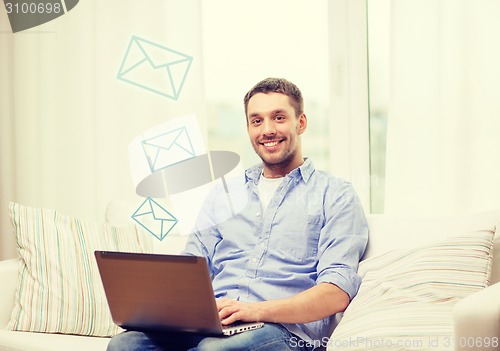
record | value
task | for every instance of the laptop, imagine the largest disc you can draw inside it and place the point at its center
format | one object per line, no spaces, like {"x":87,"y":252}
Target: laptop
{"x":162,"y":292}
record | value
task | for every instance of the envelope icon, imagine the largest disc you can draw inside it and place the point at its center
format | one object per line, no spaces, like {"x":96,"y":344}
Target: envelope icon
{"x":154,"y":218}
{"x":168,"y":148}
{"x":154,"y":67}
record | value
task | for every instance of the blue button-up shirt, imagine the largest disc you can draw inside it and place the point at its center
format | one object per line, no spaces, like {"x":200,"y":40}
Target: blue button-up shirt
{"x":314,"y":230}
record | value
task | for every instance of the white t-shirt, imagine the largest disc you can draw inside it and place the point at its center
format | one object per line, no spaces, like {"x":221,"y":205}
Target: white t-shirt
{"x":267,"y":188}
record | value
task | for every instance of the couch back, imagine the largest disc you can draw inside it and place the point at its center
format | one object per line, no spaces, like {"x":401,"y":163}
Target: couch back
{"x":392,"y":232}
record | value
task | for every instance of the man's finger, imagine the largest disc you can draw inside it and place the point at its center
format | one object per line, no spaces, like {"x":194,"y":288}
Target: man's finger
{"x":222,"y":302}
{"x":229,"y":320}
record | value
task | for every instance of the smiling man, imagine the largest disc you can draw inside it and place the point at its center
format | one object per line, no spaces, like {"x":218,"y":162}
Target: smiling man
{"x":274,"y":127}
{"x":289,"y":258}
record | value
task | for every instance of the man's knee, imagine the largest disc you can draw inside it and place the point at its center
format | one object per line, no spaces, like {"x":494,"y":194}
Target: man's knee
{"x":269,"y":338}
{"x":221,"y":344}
{"x":127,"y":341}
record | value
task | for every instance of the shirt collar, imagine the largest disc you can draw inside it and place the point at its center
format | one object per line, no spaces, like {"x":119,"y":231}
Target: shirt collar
{"x":304,"y":172}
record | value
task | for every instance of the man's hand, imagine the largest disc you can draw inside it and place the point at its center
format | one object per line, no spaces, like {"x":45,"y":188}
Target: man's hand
{"x":231,"y":311}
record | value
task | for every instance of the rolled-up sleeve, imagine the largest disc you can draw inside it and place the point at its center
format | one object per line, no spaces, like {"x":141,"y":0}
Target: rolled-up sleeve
{"x":343,"y":239}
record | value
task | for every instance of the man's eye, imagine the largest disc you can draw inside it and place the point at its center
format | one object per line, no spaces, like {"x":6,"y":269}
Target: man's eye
{"x":256,"y":121}
{"x":280,"y":117}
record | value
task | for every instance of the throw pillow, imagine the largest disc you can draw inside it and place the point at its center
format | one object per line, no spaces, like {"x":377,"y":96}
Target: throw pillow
{"x":60,"y":290}
{"x":407,"y":296}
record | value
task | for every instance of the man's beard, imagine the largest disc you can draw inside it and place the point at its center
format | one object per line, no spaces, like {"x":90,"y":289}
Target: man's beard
{"x":282,"y":158}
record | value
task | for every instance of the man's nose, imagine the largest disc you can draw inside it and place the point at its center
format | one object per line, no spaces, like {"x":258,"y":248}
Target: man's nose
{"x":268,"y":128}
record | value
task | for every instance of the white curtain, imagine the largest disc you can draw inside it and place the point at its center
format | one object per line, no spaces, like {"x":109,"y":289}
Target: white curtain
{"x":443,"y":140}
{"x":66,"y":120}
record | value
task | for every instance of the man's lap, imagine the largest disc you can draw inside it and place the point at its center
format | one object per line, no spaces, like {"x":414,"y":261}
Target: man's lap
{"x":271,"y":337}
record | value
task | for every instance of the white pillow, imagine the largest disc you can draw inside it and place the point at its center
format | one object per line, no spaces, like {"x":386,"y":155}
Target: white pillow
{"x":390,"y":232}
{"x":60,"y":290}
{"x":406,"y":299}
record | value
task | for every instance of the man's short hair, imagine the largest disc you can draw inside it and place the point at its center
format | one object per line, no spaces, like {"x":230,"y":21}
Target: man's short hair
{"x":278,"y":85}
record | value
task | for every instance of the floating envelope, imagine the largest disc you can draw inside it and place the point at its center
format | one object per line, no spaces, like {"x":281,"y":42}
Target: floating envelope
{"x":167,"y":149}
{"x":154,"y":67}
{"x":154,"y":218}
{"x":166,"y":145}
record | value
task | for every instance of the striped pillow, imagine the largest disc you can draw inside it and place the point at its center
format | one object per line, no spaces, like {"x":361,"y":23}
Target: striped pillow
{"x":60,"y":290}
{"x":407,"y":296}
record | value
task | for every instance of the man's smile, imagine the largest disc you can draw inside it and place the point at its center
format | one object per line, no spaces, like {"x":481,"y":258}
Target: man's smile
{"x":271,"y":144}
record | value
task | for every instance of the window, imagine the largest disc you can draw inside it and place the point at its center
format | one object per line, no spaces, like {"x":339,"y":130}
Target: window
{"x":378,"y":49}
{"x":260,"y":39}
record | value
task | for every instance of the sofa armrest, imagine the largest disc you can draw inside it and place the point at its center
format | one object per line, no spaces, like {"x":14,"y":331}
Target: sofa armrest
{"x":8,"y":285}
{"x":477,"y":320}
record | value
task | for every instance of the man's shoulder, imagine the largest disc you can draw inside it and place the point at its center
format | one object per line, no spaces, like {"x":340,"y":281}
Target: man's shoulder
{"x":330,"y":179}
{"x":309,"y":171}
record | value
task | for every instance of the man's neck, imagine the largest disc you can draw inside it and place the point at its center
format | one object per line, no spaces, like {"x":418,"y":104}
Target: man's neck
{"x":279,"y":170}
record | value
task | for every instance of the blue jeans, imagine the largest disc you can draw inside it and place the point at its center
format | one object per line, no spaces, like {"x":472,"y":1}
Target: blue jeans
{"x":271,"y":337}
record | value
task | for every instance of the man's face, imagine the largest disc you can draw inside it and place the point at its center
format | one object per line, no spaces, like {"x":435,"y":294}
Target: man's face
{"x":274,"y":129}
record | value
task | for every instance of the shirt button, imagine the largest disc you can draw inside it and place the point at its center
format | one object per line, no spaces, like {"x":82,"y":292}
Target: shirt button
{"x":258,"y":214}
{"x":262,"y":244}
{"x":254,"y":260}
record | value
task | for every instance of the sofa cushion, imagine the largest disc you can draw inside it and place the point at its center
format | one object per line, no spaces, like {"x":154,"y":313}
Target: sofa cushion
{"x":60,"y":290}
{"x":8,"y":277}
{"x":388,"y":232}
{"x":19,"y":341}
{"x":495,"y":269}
{"x":407,"y":296}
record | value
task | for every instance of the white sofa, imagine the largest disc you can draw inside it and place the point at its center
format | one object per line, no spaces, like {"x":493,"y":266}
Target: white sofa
{"x":476,"y":318}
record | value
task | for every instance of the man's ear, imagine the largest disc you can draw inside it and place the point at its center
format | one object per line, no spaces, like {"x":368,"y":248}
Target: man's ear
{"x":302,"y":125}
